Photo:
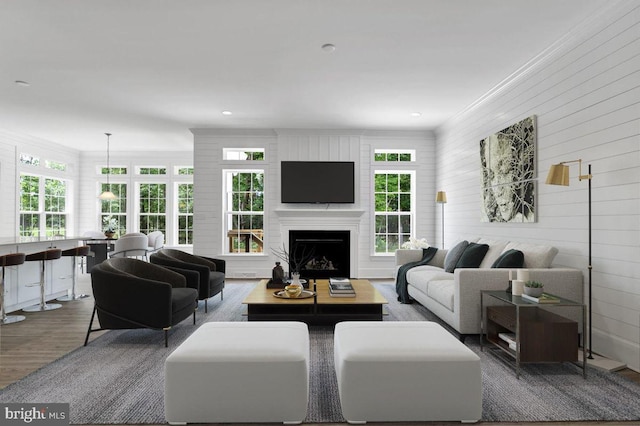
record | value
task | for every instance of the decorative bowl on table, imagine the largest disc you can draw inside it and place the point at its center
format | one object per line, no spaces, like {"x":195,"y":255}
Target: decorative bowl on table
{"x":293,"y":291}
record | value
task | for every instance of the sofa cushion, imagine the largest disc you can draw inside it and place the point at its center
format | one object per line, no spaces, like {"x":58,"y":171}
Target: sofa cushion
{"x":442,"y":292}
{"x":496,"y":247}
{"x":472,"y":255}
{"x":454,"y":255}
{"x":509,"y":259}
{"x":420,"y":276}
{"x":535,"y":256}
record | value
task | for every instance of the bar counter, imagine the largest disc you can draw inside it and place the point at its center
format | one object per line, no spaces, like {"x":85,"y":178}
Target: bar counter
{"x":21,"y":281}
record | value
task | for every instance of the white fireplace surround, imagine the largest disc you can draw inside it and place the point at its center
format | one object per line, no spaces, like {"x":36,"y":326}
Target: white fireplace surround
{"x":324,"y":220}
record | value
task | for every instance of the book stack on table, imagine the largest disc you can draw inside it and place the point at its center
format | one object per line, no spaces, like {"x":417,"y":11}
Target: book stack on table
{"x":341,"y":287}
{"x":544,"y":298}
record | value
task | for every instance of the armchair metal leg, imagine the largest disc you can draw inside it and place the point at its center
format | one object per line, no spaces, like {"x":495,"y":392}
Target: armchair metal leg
{"x":166,"y":337}
{"x":205,"y":306}
{"x":222,"y":294}
{"x":93,"y":314}
{"x":194,"y":317}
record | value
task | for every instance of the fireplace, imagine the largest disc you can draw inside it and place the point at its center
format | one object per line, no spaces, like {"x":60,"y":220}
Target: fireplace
{"x":325,"y":253}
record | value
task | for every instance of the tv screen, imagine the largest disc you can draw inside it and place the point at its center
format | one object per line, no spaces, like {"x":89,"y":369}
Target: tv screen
{"x":320,"y":182}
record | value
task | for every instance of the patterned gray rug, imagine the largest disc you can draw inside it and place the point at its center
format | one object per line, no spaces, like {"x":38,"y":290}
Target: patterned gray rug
{"x":119,"y":379}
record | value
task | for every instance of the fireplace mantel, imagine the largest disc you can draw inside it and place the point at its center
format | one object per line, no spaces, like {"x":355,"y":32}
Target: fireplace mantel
{"x":354,"y":213}
{"x":323,"y":219}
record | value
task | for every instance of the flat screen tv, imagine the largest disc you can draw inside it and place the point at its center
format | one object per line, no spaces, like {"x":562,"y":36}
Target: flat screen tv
{"x":317,"y":182}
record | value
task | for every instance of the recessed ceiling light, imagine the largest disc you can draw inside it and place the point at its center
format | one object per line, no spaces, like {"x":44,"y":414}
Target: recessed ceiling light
{"x":328,"y":47}
{"x":22,"y":83}
{"x":226,"y":113}
{"x":416,"y":114}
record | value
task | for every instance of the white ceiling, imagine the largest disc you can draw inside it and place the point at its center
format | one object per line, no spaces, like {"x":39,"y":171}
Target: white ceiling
{"x":148,"y":70}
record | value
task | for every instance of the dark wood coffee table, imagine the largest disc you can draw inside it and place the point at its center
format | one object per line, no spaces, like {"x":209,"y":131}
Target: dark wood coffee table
{"x":368,"y":304}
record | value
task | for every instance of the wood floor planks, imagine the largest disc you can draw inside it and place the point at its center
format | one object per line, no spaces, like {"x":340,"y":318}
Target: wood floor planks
{"x":45,"y":336}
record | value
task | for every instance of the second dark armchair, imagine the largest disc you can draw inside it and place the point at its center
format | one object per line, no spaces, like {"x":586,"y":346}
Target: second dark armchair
{"x":211,"y":270}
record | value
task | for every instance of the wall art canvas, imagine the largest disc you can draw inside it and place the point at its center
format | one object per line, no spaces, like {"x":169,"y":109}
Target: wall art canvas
{"x":508,"y":172}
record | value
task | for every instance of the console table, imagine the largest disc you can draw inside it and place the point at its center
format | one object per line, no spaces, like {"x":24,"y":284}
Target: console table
{"x":540,"y":335}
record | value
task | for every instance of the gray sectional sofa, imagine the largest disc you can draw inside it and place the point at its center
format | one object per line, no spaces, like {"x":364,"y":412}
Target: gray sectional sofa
{"x":455,"y":296}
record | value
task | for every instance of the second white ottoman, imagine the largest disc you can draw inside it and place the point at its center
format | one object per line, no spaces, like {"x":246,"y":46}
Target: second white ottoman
{"x":239,"y":372}
{"x":405,"y":371}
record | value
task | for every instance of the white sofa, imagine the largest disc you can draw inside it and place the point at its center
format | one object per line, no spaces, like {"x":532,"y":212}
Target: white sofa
{"x":455,"y":297}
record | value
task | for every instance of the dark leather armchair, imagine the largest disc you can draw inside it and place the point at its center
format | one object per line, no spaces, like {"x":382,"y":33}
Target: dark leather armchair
{"x":130,"y":293}
{"x":211,"y":270}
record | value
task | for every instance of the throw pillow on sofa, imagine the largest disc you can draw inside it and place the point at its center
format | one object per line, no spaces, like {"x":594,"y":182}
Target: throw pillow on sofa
{"x":453,"y":255}
{"x":510,"y":259}
{"x":472,"y":255}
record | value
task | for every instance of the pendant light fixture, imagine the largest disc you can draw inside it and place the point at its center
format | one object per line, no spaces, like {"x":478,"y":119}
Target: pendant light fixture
{"x":108,"y":195}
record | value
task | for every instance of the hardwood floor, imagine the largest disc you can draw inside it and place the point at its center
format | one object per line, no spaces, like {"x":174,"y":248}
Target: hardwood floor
{"x":46,"y":336}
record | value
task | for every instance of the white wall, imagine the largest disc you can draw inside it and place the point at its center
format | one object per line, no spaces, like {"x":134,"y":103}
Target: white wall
{"x":584,"y":91}
{"x":303,"y":144}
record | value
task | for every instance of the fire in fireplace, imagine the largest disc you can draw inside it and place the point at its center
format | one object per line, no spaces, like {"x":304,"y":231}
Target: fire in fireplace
{"x":326,"y":253}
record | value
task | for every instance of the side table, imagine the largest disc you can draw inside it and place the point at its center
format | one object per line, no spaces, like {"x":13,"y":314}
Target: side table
{"x":539,"y":335}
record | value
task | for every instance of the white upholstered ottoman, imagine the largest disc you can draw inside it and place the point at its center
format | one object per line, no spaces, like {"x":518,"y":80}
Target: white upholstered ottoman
{"x":405,"y":371}
{"x":239,"y":372}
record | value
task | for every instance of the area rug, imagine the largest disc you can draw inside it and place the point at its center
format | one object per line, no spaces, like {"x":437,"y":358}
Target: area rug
{"x":118,"y":378}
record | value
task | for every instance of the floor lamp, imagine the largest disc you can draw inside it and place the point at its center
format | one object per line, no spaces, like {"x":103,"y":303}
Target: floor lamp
{"x":441,"y":198}
{"x":559,"y":175}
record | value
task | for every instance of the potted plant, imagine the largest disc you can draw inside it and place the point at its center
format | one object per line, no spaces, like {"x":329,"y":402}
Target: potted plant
{"x":110,"y":227}
{"x":533,"y":288}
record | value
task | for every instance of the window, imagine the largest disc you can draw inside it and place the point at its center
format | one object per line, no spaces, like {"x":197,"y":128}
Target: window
{"x":113,"y":171}
{"x":393,"y":199}
{"x":29,"y":159}
{"x":43,"y":204}
{"x":113,"y":213}
{"x":152,"y":170}
{"x":244,"y":210}
{"x":250,"y":154}
{"x":184,"y":170}
{"x":185,"y":213}
{"x":153,"y":207}
{"x":55,"y":196}
{"x":396,"y":155}
{"x":29,"y":206}
{"x":54,"y":165}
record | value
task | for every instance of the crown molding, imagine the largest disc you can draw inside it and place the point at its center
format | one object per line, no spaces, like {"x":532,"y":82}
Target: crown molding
{"x":612,"y":10}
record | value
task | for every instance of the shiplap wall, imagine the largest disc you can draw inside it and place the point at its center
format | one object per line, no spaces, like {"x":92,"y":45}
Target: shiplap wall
{"x":585,"y":93}
{"x":302,"y":144}
{"x":11,"y":145}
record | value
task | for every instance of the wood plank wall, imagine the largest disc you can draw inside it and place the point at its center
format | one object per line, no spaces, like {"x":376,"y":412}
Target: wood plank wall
{"x":584,"y":92}
{"x":304,"y":144}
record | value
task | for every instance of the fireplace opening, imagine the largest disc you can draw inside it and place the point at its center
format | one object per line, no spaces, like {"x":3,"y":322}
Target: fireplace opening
{"x":324,"y":254}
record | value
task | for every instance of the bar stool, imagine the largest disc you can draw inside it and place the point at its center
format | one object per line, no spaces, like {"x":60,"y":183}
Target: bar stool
{"x":10,"y":259}
{"x":43,"y":256}
{"x":75,"y":252}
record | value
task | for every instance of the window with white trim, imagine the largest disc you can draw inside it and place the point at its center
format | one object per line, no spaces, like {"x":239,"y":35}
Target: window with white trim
{"x":243,"y":154}
{"x":43,"y":206}
{"x":393,"y":198}
{"x":152,"y":207}
{"x":184,"y":194}
{"x":394,"y":155}
{"x":113,"y":213}
{"x":244,"y":210}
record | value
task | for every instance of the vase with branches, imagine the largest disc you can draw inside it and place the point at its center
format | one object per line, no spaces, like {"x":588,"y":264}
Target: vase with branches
{"x":297,"y":257}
